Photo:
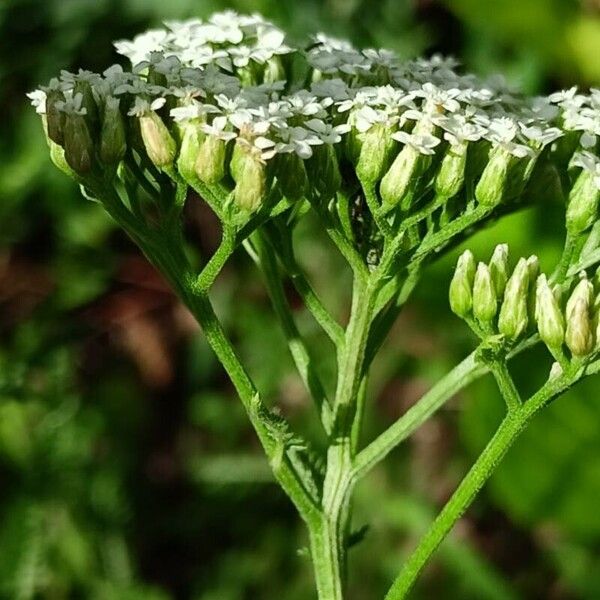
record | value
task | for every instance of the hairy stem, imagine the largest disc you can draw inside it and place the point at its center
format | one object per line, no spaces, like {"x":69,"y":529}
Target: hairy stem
{"x":509,"y":430}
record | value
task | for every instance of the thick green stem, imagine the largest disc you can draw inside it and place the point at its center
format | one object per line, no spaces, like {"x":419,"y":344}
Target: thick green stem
{"x":331,"y":537}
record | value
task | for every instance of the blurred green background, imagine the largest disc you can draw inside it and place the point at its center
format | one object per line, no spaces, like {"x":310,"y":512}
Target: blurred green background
{"x":127,"y":468}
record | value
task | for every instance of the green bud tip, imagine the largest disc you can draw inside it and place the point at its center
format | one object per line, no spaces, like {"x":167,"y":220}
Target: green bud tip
{"x":499,"y":268}
{"x":485,"y":301}
{"x":461,"y":286}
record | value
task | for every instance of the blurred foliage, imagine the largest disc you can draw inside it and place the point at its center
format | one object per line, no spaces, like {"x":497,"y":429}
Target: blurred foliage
{"x":127,"y":469}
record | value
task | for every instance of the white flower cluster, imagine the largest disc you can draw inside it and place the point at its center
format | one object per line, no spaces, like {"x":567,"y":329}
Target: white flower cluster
{"x":227,"y":39}
{"x":232,"y":77}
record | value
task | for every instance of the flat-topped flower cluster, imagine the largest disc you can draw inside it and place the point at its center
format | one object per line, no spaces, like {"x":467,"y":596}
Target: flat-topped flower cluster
{"x":222,"y":98}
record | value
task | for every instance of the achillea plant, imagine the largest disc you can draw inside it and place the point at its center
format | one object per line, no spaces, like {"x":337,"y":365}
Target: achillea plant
{"x":399,"y":161}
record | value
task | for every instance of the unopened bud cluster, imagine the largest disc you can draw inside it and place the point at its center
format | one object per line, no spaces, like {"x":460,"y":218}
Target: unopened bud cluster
{"x":519,"y":303}
{"x":229,"y":103}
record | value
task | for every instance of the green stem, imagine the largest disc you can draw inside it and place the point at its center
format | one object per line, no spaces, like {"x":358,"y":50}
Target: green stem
{"x":298,"y":348}
{"x":463,"y":374}
{"x":171,"y":261}
{"x":508,"y":431}
{"x":506,"y":384}
{"x":282,"y":245}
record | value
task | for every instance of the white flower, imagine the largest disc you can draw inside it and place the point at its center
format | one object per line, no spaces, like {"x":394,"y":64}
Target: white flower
{"x":143,"y":106}
{"x":540,"y":136}
{"x":298,"y":140}
{"x":366,"y":117}
{"x":588,"y":162}
{"x":422,"y":143}
{"x":326,"y":132}
{"x":192,"y":110}
{"x":502,"y":131}
{"x":437,"y":98}
{"x":38,"y":101}
{"x":72,"y":106}
{"x":458,"y":129}
{"x":217,"y":129}
{"x":139,"y":49}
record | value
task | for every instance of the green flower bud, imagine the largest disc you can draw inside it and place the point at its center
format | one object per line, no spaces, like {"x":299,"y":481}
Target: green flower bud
{"x":274,"y":70}
{"x":79,"y":148}
{"x":579,"y":337}
{"x":584,"y":290}
{"x":451,"y":176}
{"x":352,"y":140}
{"x":513,"y":318}
{"x":57,"y":156}
{"x":376,"y":153}
{"x":582,"y":207}
{"x":461,"y":286}
{"x":291,"y":175}
{"x":89,"y":103}
{"x":485,"y":301}
{"x":191,"y":138}
{"x":249,"y":174}
{"x":158,"y":142}
{"x":210,"y":162}
{"x":55,"y":118}
{"x":491,"y":186}
{"x":113,"y":143}
{"x":549,"y":317}
{"x":533,"y":266}
{"x":407,"y":167}
{"x":499,"y":268}
{"x":324,"y":169}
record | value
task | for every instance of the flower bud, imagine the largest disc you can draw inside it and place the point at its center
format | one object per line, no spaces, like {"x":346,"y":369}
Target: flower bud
{"x":549,"y":317}
{"x":158,"y":142}
{"x":461,"y":286}
{"x":113,"y":143}
{"x":274,"y":70}
{"x":376,"y":153}
{"x":485,"y":301}
{"x":513,"y":313}
{"x":55,"y":118}
{"x":57,"y":156}
{"x":210,"y":162}
{"x":584,"y":290}
{"x":324,"y":169}
{"x":249,"y":174}
{"x":291,"y":175}
{"x":533,"y":266}
{"x":499,"y":268}
{"x":79,"y":148}
{"x":451,"y":176}
{"x":89,"y":103}
{"x":191,"y":138}
{"x":579,"y":337}
{"x":490,"y":188}
{"x":407,"y":167}
{"x":582,"y":207}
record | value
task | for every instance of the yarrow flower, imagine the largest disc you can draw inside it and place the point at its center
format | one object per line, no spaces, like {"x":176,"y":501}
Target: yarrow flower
{"x":227,"y":78}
